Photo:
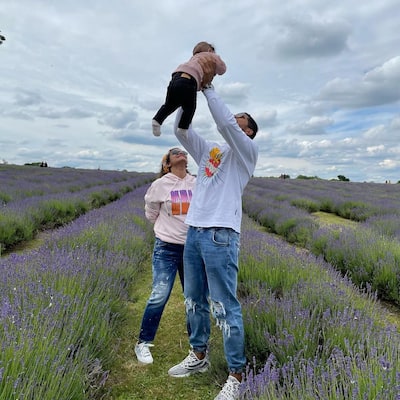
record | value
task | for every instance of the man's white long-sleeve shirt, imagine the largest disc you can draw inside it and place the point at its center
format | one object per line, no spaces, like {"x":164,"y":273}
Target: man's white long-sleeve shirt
{"x":224,"y":169}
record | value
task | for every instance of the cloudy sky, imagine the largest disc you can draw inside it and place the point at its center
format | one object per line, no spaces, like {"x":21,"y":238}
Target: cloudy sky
{"x":81,"y":80}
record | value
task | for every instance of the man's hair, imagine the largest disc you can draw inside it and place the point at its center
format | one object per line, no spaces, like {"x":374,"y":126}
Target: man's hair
{"x":252,"y":125}
{"x":203,"y":46}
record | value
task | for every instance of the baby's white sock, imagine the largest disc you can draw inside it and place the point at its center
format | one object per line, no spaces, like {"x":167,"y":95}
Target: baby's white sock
{"x":156,"y":128}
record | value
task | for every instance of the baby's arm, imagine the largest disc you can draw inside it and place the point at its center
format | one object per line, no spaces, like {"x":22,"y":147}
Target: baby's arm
{"x":211,"y":64}
{"x":220,"y":66}
{"x":208,"y":66}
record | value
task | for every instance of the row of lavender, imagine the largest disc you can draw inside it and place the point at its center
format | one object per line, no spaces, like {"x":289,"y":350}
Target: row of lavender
{"x":60,"y":304}
{"x":41,"y":198}
{"x":310,"y":333}
{"x":368,"y":252}
{"x":352,"y":200}
{"x":19,"y":182}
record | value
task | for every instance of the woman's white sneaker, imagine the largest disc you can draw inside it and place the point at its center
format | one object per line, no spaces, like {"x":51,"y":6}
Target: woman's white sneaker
{"x":143,"y":353}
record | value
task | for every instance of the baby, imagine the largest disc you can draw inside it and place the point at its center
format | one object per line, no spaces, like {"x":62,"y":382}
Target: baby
{"x":187,"y":79}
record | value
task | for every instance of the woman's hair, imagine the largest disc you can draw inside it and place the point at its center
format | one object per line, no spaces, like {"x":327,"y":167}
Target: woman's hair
{"x":203,"y":46}
{"x":165,"y":167}
{"x":165,"y":164}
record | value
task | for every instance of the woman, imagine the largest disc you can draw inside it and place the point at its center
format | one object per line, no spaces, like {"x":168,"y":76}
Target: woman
{"x":166,"y":204}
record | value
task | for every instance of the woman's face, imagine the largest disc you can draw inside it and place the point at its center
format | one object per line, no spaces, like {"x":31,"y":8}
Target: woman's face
{"x":176,"y":156}
{"x":177,"y":152}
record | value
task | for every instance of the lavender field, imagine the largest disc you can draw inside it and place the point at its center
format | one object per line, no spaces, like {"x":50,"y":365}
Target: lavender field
{"x":311,"y":333}
{"x":61,"y":302}
{"x":368,"y":252}
{"x":33,"y":198}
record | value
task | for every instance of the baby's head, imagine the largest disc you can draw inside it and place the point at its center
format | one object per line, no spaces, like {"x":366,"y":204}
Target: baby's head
{"x":203,"y":46}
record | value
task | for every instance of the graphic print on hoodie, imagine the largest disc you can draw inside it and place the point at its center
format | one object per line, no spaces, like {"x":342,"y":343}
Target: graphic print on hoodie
{"x":180,"y":201}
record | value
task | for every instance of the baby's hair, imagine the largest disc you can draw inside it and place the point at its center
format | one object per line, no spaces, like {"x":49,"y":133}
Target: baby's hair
{"x":203,"y":46}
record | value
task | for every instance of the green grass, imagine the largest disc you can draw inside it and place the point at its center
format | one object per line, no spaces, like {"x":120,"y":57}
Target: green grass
{"x":130,"y":380}
{"x":393,"y":313}
{"x":332,"y":219}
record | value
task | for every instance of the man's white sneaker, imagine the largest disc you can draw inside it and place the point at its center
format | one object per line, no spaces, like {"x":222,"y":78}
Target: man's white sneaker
{"x":143,"y":353}
{"x":190,"y":365}
{"x":230,"y":391}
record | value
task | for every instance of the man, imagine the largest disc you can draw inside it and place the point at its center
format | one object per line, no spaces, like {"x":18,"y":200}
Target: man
{"x":212,"y":246}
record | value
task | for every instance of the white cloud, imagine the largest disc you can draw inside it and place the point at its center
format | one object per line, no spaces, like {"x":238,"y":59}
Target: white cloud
{"x":26,"y":98}
{"x":308,"y":36}
{"x":376,"y":149}
{"x":235,"y":92}
{"x":377,"y":87}
{"x":119,"y":119}
{"x":81,"y":81}
{"x":314,"y":126}
{"x":389,"y":164}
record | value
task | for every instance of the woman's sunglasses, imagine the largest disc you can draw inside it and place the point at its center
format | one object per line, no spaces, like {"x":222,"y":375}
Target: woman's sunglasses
{"x":176,"y":152}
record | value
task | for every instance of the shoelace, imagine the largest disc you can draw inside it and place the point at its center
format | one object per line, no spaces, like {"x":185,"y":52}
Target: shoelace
{"x":230,"y":388}
{"x":145,"y":349}
{"x":189,"y":359}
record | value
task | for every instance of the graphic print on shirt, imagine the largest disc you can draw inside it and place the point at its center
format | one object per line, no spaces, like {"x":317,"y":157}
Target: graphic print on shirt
{"x":180,"y":201}
{"x":213,"y":162}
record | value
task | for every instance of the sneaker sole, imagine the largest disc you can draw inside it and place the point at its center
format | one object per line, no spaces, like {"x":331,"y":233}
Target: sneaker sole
{"x":144,"y":362}
{"x":141,"y":362}
{"x":201,"y":370}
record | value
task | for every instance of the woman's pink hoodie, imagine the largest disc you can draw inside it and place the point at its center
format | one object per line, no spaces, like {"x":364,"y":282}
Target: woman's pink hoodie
{"x":166,"y":204}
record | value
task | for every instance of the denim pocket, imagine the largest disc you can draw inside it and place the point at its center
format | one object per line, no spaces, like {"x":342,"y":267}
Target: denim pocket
{"x":220,"y":236}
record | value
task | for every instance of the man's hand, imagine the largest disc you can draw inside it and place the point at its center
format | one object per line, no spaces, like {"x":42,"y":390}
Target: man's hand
{"x":208,"y":86}
{"x":208,"y":66}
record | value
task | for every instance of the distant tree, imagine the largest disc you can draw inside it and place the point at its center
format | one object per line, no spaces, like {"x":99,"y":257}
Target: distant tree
{"x":343,"y":178}
{"x":2,"y":38}
{"x":284,"y":176}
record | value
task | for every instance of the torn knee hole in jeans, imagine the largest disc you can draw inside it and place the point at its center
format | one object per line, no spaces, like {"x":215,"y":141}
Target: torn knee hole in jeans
{"x":160,"y":289}
{"x":190,"y":305}
{"x":217,"y":310}
{"x":219,"y":313}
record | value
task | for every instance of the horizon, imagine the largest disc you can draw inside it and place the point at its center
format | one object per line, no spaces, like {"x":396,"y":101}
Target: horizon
{"x":282,"y":176}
